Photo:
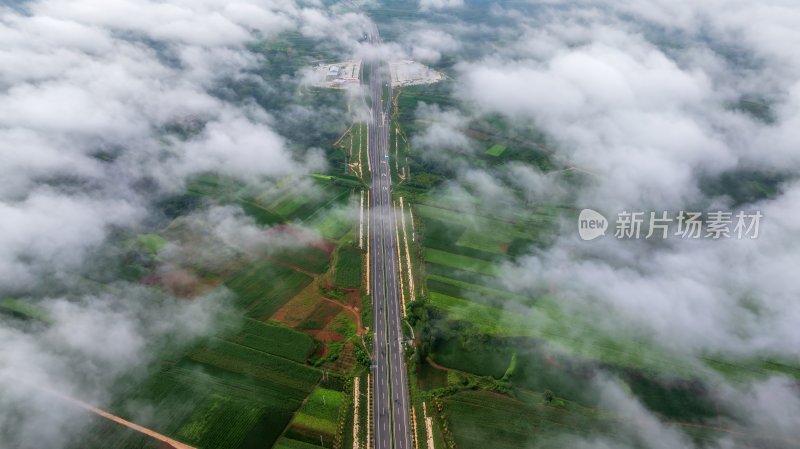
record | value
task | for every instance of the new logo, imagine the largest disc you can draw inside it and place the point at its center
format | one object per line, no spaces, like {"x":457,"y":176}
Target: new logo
{"x":591,"y":224}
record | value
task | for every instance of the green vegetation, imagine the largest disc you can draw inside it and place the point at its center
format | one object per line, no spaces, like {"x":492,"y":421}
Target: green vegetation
{"x":348,"y":268}
{"x":460,"y":262}
{"x":496,"y":150}
{"x":22,"y":310}
{"x":152,"y":242}
{"x":276,"y":340}
{"x":477,"y":417}
{"x":220,"y":422}
{"x":488,"y":319}
{"x":318,"y":418}
{"x":262,"y":288}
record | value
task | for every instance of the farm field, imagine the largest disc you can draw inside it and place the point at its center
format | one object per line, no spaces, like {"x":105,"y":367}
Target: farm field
{"x":478,"y":417}
{"x":460,"y":262}
{"x":348,"y":268}
{"x":496,"y":150}
{"x":264,"y":287}
{"x":318,"y":417}
{"x":275,"y":340}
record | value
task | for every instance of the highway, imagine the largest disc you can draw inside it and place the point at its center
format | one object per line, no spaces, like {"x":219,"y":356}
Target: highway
{"x":390,"y":393}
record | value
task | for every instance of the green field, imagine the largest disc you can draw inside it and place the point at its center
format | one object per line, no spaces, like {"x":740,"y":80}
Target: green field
{"x":479,"y":417}
{"x":461,"y":262}
{"x":228,"y":402}
{"x":264,"y":287}
{"x":151,"y":242}
{"x":496,"y":150}
{"x":288,"y":443}
{"x":272,"y":339}
{"x":220,"y":421}
{"x":318,"y":417}
{"x":268,"y":368}
{"x":333,"y":224}
{"x":22,"y":310}
{"x":314,"y":259}
{"x":348,"y":268}
{"x":490,"y":242}
{"x":488,"y":319}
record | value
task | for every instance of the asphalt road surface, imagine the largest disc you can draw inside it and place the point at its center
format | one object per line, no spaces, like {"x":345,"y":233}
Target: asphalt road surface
{"x":390,"y":395}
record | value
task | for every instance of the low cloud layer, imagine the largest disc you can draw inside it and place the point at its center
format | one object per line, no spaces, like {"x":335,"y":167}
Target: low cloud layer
{"x":646,"y":99}
{"x":105,"y":107}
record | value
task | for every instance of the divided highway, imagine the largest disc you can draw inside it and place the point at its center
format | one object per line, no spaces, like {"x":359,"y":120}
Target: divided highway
{"x":390,"y":393}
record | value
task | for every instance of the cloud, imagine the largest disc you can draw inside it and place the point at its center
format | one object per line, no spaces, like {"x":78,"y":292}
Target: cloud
{"x":427,"y":45}
{"x":90,"y":344}
{"x":643,"y":98}
{"x":440,"y":4}
{"x":105,"y":108}
{"x":443,"y":137}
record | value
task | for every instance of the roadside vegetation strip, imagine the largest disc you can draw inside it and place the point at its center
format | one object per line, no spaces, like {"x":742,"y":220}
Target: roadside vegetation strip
{"x":399,"y":260}
{"x":461,"y":262}
{"x":356,"y":403}
{"x":361,"y":221}
{"x":410,"y":271}
{"x":428,"y":427}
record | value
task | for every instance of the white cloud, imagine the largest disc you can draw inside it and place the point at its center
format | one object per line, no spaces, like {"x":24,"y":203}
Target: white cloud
{"x":440,"y":4}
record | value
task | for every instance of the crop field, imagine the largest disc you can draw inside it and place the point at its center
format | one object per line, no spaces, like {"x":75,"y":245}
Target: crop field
{"x":496,"y":150}
{"x":314,"y":259}
{"x":318,"y":417}
{"x":220,"y":421}
{"x":22,"y":310}
{"x":333,"y":224}
{"x":271,"y":369}
{"x":488,"y":319}
{"x":222,"y":398}
{"x":477,"y":417}
{"x":105,"y":434}
{"x":460,"y":262}
{"x":321,"y":410}
{"x":277,"y":206}
{"x":481,"y":359}
{"x":272,"y":339}
{"x":288,"y":443}
{"x":492,"y":242}
{"x":264,"y":287}
{"x":348,"y":268}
